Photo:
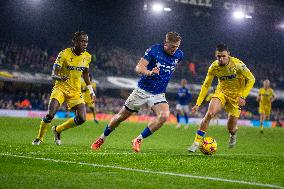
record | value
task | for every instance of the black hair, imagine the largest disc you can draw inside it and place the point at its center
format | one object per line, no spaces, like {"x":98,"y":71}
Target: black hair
{"x":222,"y":47}
{"x":76,"y":35}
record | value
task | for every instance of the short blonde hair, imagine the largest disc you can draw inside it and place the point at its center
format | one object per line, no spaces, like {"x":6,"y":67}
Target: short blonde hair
{"x":173,"y":37}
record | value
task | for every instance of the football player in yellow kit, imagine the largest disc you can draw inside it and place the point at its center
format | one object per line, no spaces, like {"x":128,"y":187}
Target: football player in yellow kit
{"x":90,"y":103}
{"x":234,"y":84}
{"x":265,"y":98}
{"x":70,"y":65}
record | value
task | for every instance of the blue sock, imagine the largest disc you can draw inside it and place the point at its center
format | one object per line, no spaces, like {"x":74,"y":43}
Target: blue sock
{"x":146,"y":132}
{"x":107,"y":131}
{"x":186,"y":118}
{"x":178,"y":117}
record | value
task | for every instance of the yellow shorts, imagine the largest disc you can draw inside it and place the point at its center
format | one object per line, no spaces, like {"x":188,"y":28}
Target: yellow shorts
{"x":87,"y":98}
{"x":72,"y":99}
{"x":264,"y":109}
{"x":230,"y":104}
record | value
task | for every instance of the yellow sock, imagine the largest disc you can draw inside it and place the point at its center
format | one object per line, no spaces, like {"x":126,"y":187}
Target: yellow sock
{"x":66,"y":125}
{"x":42,"y":130}
{"x":199,"y":135}
{"x":261,"y":126}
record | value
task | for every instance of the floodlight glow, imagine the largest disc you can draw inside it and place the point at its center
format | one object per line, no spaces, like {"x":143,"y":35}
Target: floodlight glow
{"x":167,"y":9}
{"x":239,"y":15}
{"x":248,"y":16}
{"x":157,"y":7}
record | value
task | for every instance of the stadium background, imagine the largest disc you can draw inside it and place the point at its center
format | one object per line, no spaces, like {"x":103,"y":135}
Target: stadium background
{"x":119,"y":32}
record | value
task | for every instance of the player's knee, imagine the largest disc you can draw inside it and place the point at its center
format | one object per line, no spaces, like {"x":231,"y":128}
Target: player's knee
{"x":210,"y":115}
{"x":48,"y":118}
{"x":80,"y":120}
{"x":163,"y":117}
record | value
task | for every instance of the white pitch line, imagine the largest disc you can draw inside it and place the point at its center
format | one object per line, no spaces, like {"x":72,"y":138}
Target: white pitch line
{"x":148,"y":171}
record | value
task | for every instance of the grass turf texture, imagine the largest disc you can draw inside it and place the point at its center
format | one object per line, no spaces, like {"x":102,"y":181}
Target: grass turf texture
{"x":257,"y":158}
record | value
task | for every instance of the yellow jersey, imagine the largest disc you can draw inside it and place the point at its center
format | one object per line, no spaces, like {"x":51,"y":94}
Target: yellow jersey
{"x":265,"y":96}
{"x":234,"y":79}
{"x":71,"y":66}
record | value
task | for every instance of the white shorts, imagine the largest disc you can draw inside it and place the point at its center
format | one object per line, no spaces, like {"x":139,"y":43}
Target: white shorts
{"x":182,"y":108}
{"x":139,"y":98}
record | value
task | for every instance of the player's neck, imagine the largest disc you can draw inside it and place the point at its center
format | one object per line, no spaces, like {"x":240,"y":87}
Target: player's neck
{"x":75,"y":51}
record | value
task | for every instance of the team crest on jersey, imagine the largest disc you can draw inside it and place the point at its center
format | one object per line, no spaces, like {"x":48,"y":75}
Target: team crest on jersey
{"x":176,"y":61}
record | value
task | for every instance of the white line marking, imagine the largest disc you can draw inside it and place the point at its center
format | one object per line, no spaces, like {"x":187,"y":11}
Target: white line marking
{"x":148,"y":171}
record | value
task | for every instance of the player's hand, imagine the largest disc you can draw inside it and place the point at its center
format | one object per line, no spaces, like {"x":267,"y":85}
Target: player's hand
{"x":242,"y":102}
{"x":93,"y":97}
{"x":194,"y":109}
{"x":64,"y":78}
{"x":155,"y":70}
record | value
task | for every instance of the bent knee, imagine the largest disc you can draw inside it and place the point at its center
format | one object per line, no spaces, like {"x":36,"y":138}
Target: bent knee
{"x":79,"y":120}
{"x":210,"y":114}
{"x":163,"y":117}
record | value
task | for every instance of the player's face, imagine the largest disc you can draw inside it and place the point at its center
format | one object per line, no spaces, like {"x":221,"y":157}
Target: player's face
{"x":183,"y":82}
{"x":81,"y":43}
{"x":222,"y":57}
{"x":171,"y":47}
{"x":266,"y":83}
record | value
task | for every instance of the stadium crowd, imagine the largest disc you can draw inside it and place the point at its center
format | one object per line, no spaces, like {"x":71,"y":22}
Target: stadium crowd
{"x":23,"y":100}
{"x":117,"y":61}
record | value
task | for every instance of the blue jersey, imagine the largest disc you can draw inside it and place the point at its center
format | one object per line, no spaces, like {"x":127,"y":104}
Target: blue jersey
{"x":157,"y":57}
{"x":183,"y":96}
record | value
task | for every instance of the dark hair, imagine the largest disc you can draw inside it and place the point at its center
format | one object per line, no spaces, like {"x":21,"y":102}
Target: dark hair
{"x":222,"y":47}
{"x":76,"y":35}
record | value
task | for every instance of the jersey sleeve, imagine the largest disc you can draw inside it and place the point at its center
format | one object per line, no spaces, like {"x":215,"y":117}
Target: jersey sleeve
{"x":59,"y":60}
{"x":88,"y":60}
{"x":206,"y":85}
{"x":250,"y":80}
{"x":148,"y":55}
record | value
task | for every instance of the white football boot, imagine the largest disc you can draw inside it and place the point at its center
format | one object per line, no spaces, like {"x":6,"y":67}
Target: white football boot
{"x":232,"y":140}
{"x":193,"y":147}
{"x":36,"y":142}
{"x":56,"y":136}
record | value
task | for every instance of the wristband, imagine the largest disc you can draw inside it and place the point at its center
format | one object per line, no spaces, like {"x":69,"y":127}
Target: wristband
{"x":90,"y":87}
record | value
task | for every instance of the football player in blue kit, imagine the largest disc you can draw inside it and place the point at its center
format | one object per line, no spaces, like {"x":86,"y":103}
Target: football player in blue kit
{"x":183,"y":102}
{"x":156,"y":68}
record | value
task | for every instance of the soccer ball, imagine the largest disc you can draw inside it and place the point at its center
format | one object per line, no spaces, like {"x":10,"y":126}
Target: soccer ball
{"x":208,"y":145}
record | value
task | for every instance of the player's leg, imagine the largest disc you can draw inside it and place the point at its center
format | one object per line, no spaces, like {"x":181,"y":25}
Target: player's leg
{"x":93,"y":110}
{"x":53,"y":106}
{"x":79,"y":119}
{"x":186,"y":115}
{"x":232,"y":128}
{"x":261,"y":120}
{"x":178,"y":109}
{"x":162,"y":114}
{"x":122,"y":115}
{"x":214,"y":107}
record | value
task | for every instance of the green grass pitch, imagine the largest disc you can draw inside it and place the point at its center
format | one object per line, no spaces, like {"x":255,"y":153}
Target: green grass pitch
{"x":256,"y":162}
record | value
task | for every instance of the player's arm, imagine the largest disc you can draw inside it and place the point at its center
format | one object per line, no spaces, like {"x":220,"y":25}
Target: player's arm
{"x":258,"y":98}
{"x":86,"y":78}
{"x":141,"y":68}
{"x":273,"y":98}
{"x":57,"y":66}
{"x":204,"y":89}
{"x":55,"y":74}
{"x":250,"y":80}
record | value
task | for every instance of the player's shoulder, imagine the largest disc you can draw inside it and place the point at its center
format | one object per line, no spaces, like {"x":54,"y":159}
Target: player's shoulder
{"x":214,"y":65}
{"x":156,"y":47}
{"x":236,"y":60}
{"x":87,"y":54}
{"x":179,"y":53}
{"x":66,"y":51}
